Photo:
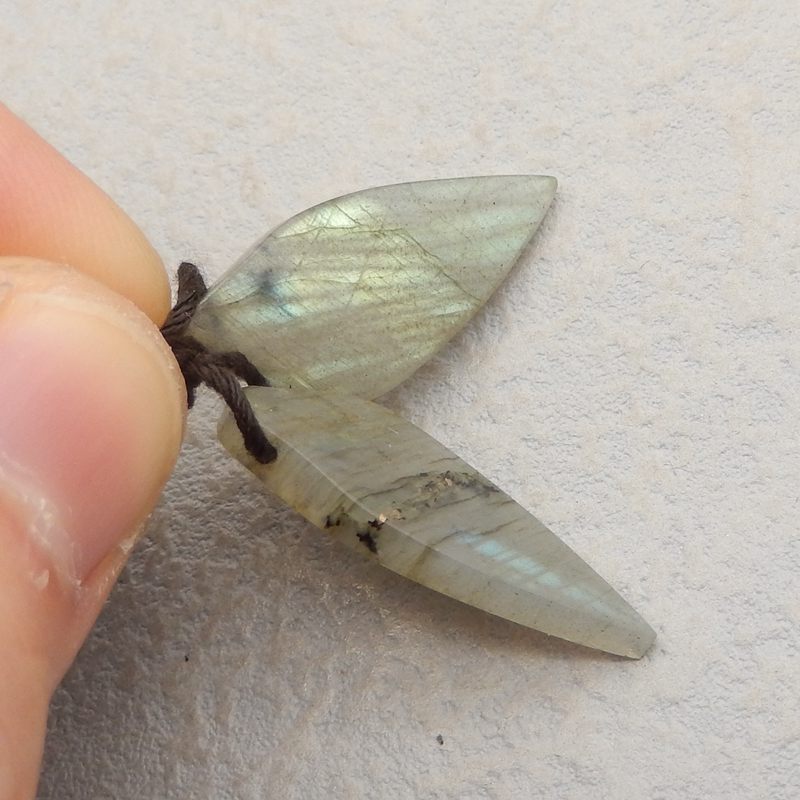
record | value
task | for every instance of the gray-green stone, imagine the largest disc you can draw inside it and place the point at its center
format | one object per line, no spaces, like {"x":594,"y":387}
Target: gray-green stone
{"x":384,"y":487}
{"x":356,"y":293}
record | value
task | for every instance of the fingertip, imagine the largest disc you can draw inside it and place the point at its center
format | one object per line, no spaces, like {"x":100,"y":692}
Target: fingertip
{"x":90,"y":425}
{"x":51,"y":210}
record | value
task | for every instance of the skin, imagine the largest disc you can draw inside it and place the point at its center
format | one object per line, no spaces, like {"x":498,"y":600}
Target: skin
{"x":90,"y":424}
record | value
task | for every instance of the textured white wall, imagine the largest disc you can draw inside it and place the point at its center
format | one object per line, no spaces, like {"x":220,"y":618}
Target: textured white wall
{"x":635,"y":384}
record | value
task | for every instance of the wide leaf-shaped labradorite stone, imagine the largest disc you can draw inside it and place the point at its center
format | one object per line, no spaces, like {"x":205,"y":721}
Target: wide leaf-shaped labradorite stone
{"x":384,"y":487}
{"x":356,"y":293}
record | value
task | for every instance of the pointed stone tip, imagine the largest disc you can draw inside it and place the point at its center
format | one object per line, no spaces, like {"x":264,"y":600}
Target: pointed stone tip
{"x":640,"y":638}
{"x":625,"y":633}
{"x":643,"y":642}
{"x":547,"y":186}
{"x":542,"y":189}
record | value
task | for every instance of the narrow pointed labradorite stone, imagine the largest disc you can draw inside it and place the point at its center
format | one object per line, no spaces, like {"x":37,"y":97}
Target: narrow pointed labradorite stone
{"x":384,"y":487}
{"x":356,"y":293}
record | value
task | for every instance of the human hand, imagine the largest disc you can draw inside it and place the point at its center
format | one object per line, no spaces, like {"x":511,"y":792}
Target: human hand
{"x":91,"y":420}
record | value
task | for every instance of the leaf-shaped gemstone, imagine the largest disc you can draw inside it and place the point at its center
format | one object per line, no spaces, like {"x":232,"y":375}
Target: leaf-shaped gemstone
{"x":356,"y":293}
{"x":384,"y":487}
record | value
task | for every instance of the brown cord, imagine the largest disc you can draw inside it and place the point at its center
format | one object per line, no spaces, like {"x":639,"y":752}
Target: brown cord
{"x":219,"y":371}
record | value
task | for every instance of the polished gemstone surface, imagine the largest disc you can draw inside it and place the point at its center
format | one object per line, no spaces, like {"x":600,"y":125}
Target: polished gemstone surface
{"x":385,"y":488}
{"x":356,"y":293}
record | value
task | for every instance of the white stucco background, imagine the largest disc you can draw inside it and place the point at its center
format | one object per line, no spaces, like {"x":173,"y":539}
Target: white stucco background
{"x":635,"y":384}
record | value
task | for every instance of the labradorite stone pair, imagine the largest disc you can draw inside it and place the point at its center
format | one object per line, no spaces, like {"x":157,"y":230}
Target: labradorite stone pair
{"x":339,"y":305}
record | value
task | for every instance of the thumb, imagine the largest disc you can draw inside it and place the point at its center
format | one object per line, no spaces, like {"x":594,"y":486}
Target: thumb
{"x":90,"y":425}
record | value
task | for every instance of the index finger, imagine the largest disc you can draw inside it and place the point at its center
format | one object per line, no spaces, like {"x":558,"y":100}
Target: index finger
{"x":50,"y":210}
